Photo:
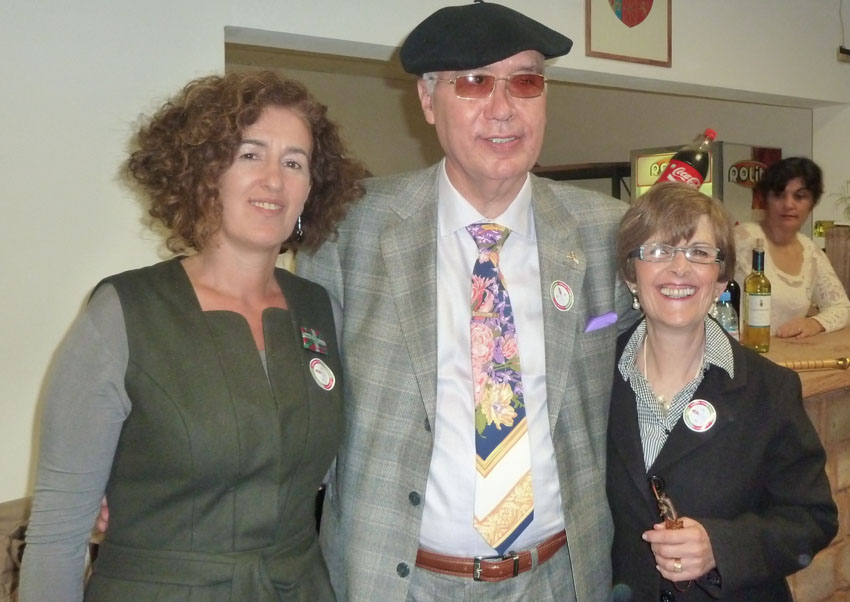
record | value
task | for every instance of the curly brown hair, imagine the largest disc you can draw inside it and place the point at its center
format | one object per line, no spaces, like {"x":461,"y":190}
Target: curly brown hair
{"x":184,"y":149}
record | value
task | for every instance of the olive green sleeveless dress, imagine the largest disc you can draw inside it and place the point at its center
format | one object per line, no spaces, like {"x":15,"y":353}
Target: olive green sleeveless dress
{"x":213,"y":484}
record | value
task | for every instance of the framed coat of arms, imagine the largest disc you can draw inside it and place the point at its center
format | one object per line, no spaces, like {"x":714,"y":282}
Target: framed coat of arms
{"x":637,"y":31}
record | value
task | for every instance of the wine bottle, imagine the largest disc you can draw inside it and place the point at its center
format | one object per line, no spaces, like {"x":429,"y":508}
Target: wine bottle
{"x":756,"y":334}
{"x":735,"y":293}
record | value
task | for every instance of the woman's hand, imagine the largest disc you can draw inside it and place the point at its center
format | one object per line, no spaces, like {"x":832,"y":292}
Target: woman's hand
{"x":681,"y":554}
{"x":799,"y":328}
{"x":101,"y":523}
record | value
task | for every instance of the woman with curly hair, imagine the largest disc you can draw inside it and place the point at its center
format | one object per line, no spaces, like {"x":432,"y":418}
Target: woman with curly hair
{"x":203,"y":395}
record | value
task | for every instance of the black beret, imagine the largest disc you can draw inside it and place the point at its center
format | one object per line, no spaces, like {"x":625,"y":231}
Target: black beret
{"x":475,"y":35}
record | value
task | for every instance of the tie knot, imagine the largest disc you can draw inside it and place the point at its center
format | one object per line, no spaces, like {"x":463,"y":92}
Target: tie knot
{"x":488,"y":236}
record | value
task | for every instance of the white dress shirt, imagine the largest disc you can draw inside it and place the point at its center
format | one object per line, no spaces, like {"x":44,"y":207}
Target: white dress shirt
{"x":447,"y":520}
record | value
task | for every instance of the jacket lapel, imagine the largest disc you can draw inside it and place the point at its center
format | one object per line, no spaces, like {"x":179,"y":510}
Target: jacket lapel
{"x":561,"y":259}
{"x":624,"y":434}
{"x":409,"y":250}
{"x":719,"y":391}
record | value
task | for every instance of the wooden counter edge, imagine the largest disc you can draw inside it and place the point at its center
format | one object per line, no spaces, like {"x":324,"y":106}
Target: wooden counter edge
{"x":822,"y":346}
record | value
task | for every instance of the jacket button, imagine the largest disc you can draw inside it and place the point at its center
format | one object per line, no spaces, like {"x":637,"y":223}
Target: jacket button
{"x":414,"y":498}
{"x":667,"y":596}
{"x":427,"y":425}
{"x":402,"y":569}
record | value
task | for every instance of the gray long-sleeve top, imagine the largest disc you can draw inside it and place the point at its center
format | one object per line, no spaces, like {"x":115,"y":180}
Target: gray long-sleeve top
{"x":85,"y":405}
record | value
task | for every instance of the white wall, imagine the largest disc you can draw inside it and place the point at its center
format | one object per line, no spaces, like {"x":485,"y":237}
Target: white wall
{"x":831,"y":138}
{"x":782,"y":48}
{"x":74,"y":77}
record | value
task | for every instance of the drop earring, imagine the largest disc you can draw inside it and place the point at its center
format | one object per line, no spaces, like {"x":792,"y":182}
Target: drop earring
{"x":713,"y":307}
{"x":299,"y":232}
{"x":635,"y":302}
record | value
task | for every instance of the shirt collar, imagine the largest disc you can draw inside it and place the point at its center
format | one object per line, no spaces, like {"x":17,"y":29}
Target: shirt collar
{"x":718,"y":349}
{"x":454,"y":212}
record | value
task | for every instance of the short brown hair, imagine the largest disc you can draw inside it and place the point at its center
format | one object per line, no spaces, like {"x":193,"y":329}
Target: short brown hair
{"x":776,"y":177}
{"x":191,"y":141}
{"x":672,"y":211}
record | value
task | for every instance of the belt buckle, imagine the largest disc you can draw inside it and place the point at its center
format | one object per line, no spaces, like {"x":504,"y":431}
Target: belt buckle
{"x":477,"y":569}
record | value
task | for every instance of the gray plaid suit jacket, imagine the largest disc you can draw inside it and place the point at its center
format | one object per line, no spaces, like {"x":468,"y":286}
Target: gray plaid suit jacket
{"x":382,"y":273}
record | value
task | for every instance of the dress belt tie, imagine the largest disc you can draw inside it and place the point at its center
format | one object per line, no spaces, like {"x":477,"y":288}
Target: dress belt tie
{"x":252,"y":573}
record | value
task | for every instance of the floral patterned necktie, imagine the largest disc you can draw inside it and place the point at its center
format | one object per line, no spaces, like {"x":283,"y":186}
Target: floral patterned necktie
{"x":504,"y":499}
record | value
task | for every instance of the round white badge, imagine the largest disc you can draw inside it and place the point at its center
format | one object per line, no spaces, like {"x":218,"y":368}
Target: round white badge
{"x":323,"y":375}
{"x":699,"y":416}
{"x":562,"y":295}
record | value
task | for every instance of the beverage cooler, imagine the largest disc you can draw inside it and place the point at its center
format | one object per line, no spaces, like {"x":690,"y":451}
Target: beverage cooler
{"x":735,"y":169}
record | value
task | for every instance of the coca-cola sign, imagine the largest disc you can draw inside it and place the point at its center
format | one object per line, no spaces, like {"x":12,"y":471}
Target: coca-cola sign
{"x":746,"y":173}
{"x":631,"y":12}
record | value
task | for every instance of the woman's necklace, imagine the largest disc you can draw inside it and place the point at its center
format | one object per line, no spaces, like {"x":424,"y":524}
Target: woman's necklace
{"x":660,"y":399}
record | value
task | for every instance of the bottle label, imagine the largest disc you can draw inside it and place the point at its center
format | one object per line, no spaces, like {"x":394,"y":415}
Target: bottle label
{"x":678,"y":171}
{"x":758,"y":310}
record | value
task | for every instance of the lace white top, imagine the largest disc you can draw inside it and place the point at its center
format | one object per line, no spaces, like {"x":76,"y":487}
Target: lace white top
{"x":793,"y":294}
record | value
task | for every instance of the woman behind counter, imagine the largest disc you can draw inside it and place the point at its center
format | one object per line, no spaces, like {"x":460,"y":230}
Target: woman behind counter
{"x":720,"y":430}
{"x":203,"y":394}
{"x":799,"y":272}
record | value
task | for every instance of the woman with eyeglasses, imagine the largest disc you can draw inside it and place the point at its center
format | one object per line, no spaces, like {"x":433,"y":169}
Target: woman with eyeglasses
{"x":715,"y":473}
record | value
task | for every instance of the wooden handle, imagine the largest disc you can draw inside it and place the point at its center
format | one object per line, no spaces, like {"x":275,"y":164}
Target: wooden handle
{"x":840,"y":363}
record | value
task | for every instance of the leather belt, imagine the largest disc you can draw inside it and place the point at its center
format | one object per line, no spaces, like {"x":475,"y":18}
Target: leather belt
{"x":491,"y":568}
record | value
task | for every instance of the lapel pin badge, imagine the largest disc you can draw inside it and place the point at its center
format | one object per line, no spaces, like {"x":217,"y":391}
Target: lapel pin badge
{"x":312,"y":339}
{"x":699,"y":415}
{"x":562,"y":295}
{"x":323,"y":375}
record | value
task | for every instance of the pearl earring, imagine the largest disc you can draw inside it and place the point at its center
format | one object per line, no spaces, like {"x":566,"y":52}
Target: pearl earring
{"x":635,"y":302}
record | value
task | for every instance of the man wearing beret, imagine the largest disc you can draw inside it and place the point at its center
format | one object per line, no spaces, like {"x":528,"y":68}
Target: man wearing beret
{"x":479,"y":316}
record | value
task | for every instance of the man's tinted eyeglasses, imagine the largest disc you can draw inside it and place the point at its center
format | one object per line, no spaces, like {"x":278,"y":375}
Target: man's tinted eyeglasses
{"x":476,"y":86}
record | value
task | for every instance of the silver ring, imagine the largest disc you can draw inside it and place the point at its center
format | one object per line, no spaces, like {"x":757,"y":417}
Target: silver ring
{"x":677,"y":565}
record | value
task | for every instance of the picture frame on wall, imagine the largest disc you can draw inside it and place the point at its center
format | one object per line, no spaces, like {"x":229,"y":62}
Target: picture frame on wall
{"x":636,"y":31}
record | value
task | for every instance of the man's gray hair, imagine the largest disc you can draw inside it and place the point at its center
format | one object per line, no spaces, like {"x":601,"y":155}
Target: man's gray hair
{"x":430,"y":81}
